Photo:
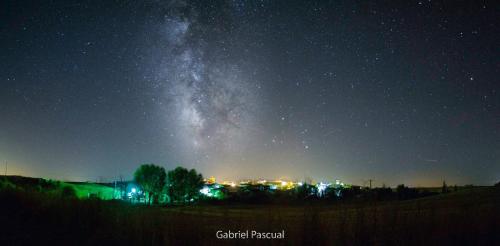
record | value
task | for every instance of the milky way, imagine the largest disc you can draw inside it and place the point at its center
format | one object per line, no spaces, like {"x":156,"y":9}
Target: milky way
{"x":213,"y":104}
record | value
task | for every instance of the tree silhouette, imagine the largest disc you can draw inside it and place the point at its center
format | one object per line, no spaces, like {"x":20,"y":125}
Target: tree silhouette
{"x":151,"y":179}
{"x":183,"y":185}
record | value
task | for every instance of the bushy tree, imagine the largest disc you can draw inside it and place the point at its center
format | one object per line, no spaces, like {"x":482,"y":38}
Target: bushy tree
{"x":305,"y":191}
{"x":402,"y":192}
{"x":68,"y":192}
{"x":405,"y":192}
{"x":151,"y":179}
{"x":183,"y":185}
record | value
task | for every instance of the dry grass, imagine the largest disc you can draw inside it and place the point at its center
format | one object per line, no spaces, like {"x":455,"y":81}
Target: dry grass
{"x":466,"y":217}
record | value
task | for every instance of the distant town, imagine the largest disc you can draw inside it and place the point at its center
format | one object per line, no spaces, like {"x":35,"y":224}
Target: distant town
{"x":211,"y":189}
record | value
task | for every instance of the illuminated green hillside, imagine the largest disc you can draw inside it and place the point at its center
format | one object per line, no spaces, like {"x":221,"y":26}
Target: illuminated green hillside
{"x":87,"y":190}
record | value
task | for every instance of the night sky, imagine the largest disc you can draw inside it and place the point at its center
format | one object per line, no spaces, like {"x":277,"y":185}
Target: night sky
{"x":406,"y":92}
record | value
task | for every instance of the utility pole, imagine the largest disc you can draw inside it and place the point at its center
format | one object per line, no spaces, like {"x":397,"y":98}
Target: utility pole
{"x":5,"y":174}
{"x":370,"y":184}
{"x":121,"y":187}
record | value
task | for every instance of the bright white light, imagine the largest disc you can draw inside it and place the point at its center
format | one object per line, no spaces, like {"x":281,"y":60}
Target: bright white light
{"x":283,"y":183}
{"x":233,"y":184}
{"x":134,"y":190}
{"x":299,"y":183}
{"x":205,"y":191}
{"x":321,"y":188}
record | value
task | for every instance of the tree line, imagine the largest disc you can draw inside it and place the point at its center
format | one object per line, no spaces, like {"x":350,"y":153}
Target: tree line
{"x":181,"y":185}
{"x":175,"y":186}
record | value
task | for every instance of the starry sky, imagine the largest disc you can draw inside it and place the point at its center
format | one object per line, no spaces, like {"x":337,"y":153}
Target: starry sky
{"x":401,"y":92}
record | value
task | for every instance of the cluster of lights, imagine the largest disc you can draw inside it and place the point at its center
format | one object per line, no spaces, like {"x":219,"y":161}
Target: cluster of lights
{"x":212,"y":191}
{"x":133,"y":192}
{"x":206,"y":191}
{"x":322,"y":188}
{"x":279,"y":184}
{"x":230,"y":183}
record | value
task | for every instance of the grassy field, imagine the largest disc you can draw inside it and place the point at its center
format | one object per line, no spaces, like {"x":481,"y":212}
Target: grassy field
{"x":466,"y":217}
{"x":82,"y":190}
{"x":85,"y":190}
{"x":470,"y":217}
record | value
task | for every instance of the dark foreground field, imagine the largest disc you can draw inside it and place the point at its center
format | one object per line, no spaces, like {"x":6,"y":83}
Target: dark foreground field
{"x":470,"y":217}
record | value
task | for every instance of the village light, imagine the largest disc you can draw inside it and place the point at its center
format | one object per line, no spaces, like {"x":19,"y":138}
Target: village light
{"x":321,"y":188}
{"x":134,"y":190}
{"x":205,"y":191}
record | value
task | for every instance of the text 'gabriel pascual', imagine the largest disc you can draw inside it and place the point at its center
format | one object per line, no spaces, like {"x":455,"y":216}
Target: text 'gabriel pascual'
{"x":249,"y":235}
